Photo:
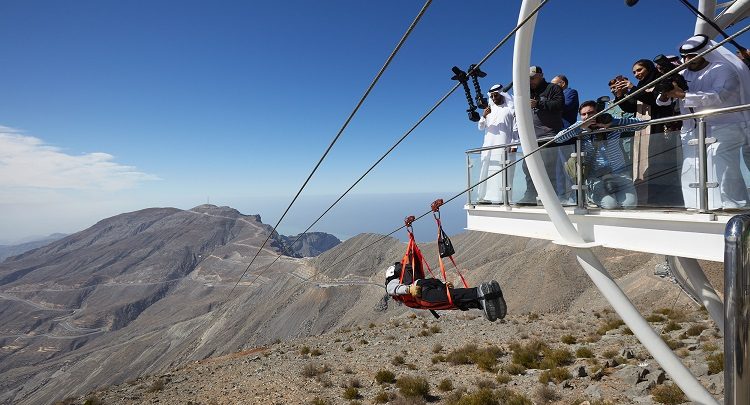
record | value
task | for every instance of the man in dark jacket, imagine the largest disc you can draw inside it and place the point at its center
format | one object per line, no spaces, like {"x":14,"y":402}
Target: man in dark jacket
{"x":547,"y":102}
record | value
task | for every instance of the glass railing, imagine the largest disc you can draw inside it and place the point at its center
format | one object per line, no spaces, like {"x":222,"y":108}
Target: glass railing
{"x":696,"y":161}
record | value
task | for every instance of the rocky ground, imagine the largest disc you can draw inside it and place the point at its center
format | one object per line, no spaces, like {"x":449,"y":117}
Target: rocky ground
{"x":583,"y":355}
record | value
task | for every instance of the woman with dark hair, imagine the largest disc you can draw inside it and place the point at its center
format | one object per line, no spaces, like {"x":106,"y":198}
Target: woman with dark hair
{"x":657,"y":151}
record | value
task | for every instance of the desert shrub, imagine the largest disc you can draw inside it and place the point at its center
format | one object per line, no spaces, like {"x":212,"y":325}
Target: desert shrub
{"x":672,"y":326}
{"x":412,"y":316}
{"x":385,"y":377}
{"x":363,"y":341}
{"x":324,"y":380}
{"x":528,"y":355}
{"x":715,"y":362}
{"x":348,"y":349}
{"x":484,"y":383}
{"x":319,"y":401}
{"x":609,"y":354}
{"x":93,"y":400}
{"x":593,"y":337}
{"x":315,"y":352}
{"x":435,"y":329}
{"x":568,"y":339}
{"x":155,"y":386}
{"x":437,"y":359}
{"x":398,"y":360}
{"x":627,"y":331}
{"x":584,"y":353}
{"x":371,"y":325}
{"x":533,"y":316}
{"x":675,"y":315}
{"x":437,"y":348}
{"x":555,"y":358}
{"x":545,"y":394}
{"x":381,"y":398}
{"x":669,"y":394}
{"x":709,"y":347}
{"x":413,"y":386}
{"x":348,"y":370}
{"x":445,"y":385}
{"x":609,"y":325}
{"x":509,"y":397}
{"x":312,"y":370}
{"x":352,"y":383}
{"x":514,"y":369}
{"x":411,"y":366}
{"x":673,"y":344}
{"x":557,"y":374}
{"x":655,"y":318}
{"x":485,"y":359}
{"x":351,"y":393}
{"x":695,"y":330}
{"x":503,"y":378}
{"x":424,"y":332}
{"x":304,"y":350}
{"x":484,"y":396}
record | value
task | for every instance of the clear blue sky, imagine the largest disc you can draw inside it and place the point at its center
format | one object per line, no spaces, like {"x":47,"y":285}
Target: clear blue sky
{"x":112,"y":106}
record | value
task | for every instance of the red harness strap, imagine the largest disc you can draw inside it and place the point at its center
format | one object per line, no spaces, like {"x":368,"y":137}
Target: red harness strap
{"x":414,"y":257}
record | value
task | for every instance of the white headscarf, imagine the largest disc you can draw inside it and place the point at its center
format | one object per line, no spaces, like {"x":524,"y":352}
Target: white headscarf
{"x":494,"y":118}
{"x":695,"y":44}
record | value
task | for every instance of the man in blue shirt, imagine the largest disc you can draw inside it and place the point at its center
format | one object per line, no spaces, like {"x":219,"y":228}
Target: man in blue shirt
{"x":609,"y":183}
{"x":570,"y":109}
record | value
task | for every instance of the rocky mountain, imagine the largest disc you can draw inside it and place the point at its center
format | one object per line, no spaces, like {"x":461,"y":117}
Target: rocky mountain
{"x":13,"y":250}
{"x":310,"y":244}
{"x":143,"y":293}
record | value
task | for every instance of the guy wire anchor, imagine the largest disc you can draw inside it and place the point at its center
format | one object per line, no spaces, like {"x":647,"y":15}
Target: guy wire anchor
{"x":463,"y":78}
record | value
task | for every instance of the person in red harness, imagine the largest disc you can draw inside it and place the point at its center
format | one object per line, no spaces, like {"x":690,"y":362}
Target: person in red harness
{"x":433,"y":293}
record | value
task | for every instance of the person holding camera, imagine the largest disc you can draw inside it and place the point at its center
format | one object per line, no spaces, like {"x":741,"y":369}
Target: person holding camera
{"x":499,"y":125}
{"x":547,"y":101}
{"x":609,"y":184}
{"x":718,"y":79}
{"x":657,"y":154}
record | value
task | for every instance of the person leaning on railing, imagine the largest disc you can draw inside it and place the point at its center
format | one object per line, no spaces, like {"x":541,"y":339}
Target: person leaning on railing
{"x":718,"y":79}
{"x":609,"y":182}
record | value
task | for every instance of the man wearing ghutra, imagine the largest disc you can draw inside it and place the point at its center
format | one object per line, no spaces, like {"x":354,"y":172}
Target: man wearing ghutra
{"x":718,"y":79}
{"x":499,"y":124}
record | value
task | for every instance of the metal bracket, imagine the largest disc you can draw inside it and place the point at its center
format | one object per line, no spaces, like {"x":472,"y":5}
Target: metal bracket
{"x":694,"y":142}
{"x":574,"y":154}
{"x":708,"y":185}
{"x":575,"y":187}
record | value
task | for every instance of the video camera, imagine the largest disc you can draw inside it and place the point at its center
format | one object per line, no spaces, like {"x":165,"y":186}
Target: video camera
{"x":601,"y":105}
{"x":664,"y":65}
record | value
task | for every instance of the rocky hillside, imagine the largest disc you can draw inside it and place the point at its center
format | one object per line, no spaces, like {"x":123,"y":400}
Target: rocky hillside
{"x":104,"y":311}
{"x":459,"y":359}
{"x":13,"y":250}
{"x":310,"y":244}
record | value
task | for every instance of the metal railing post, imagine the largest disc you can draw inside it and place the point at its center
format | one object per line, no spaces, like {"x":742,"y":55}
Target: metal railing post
{"x":468,"y":177}
{"x":506,"y":187}
{"x":702,"y":167}
{"x":737,"y":311}
{"x":580,"y":190}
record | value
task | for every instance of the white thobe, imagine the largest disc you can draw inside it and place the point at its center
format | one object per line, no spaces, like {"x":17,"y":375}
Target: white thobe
{"x":715,"y":86}
{"x":500,"y":129}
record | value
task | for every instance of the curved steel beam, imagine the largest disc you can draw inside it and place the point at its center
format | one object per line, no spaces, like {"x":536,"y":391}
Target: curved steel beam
{"x":590,"y":263}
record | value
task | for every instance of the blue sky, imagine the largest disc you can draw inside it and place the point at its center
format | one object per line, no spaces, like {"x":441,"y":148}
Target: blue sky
{"x":114,"y":106}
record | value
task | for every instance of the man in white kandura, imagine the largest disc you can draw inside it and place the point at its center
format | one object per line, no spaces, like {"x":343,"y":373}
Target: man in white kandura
{"x":718,"y":79}
{"x":499,"y":124}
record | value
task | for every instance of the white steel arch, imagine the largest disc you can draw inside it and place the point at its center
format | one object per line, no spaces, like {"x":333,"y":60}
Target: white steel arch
{"x":586,"y":258}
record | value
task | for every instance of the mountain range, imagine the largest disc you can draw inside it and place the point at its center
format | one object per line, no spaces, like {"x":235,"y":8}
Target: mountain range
{"x":151,"y":290}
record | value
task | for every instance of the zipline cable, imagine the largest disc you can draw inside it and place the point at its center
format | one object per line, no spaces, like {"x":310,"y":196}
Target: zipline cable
{"x":346,"y":123}
{"x":424,"y":117}
{"x":593,"y":118}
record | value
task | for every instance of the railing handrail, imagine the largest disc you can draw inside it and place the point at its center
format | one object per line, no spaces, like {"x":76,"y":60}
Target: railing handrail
{"x":701,"y":114}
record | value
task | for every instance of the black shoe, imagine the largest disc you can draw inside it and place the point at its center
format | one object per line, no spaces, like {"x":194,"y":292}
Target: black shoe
{"x":501,"y":305}
{"x":489,"y":305}
{"x":527,"y":199}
